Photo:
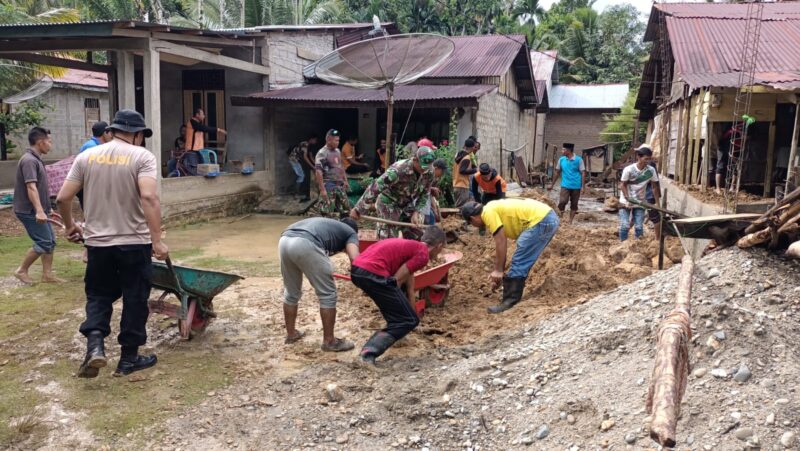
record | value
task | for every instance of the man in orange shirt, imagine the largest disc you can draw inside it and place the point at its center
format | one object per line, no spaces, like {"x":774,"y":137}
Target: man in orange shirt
{"x":487,"y":185}
{"x":350,"y":159}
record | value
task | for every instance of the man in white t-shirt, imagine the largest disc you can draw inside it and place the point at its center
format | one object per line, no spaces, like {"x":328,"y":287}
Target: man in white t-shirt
{"x":122,"y":232}
{"x":634,"y":184}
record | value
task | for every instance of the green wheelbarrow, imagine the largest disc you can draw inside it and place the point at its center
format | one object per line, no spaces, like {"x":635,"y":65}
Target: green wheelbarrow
{"x":195,"y":288}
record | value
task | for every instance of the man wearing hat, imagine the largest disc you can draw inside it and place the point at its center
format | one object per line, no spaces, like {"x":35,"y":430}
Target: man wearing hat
{"x":401,"y":193}
{"x":122,"y":232}
{"x":572,"y":171}
{"x":532,"y":224}
{"x":331,"y":178}
{"x":635,"y":179}
{"x":464,"y":168}
{"x":487,"y":185}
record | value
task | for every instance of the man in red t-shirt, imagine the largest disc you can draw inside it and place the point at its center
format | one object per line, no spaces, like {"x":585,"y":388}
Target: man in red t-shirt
{"x":381,"y":271}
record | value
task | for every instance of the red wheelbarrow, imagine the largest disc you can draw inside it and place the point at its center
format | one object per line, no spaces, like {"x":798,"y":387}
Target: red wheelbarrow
{"x":431,"y":285}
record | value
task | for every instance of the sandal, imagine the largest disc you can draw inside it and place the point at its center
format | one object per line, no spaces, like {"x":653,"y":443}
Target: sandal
{"x":299,"y":334}
{"x":339,"y":345}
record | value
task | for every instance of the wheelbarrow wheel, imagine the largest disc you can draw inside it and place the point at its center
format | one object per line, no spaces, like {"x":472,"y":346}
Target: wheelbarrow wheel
{"x":201,"y":320}
{"x":185,"y":326}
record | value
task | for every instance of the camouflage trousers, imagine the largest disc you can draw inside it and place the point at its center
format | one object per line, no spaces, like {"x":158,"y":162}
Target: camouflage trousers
{"x":337,"y":206}
{"x":393,"y":212}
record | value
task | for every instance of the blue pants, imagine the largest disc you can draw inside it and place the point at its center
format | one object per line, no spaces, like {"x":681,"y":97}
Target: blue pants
{"x":298,"y":171}
{"x":530,"y":245}
{"x":625,"y":222}
{"x":44,"y":240}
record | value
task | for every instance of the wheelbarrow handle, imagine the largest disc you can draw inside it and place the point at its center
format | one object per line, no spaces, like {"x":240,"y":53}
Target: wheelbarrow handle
{"x":341,"y":276}
{"x":177,"y":281}
{"x":390,"y":222}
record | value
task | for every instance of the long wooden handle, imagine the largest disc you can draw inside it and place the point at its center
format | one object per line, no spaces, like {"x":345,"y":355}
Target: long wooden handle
{"x":390,"y":222}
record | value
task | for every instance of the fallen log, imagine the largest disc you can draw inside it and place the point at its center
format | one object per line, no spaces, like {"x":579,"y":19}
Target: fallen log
{"x":788,"y":223}
{"x":753,"y":239}
{"x":671,"y":366}
{"x":761,"y":222}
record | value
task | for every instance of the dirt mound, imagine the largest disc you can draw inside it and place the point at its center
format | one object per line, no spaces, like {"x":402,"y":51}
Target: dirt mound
{"x":540,"y":195}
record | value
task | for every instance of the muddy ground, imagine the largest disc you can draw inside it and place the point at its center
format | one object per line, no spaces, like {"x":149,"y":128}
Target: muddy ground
{"x":462,"y":380}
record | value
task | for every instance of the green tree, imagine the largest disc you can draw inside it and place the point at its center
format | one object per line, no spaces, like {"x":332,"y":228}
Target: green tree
{"x":620,"y":128}
{"x":19,"y":118}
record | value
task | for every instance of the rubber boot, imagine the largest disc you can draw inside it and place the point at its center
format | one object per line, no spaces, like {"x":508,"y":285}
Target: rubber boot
{"x":95,"y":355}
{"x":131,"y":361}
{"x":377,"y":344}
{"x":512,"y":293}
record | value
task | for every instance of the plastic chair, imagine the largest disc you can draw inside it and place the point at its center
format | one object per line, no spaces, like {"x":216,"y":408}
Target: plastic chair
{"x":206,"y":155}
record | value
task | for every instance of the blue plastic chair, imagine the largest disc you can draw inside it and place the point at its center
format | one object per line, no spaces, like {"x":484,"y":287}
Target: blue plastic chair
{"x":206,"y":155}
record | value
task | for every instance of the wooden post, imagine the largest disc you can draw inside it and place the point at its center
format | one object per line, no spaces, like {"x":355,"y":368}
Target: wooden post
{"x":706,"y":157}
{"x":662,"y":239}
{"x":501,"y":157}
{"x":678,"y":139}
{"x":698,"y":119}
{"x":793,"y":150}
{"x":152,"y":103}
{"x":770,"y":160}
{"x":671,"y":366}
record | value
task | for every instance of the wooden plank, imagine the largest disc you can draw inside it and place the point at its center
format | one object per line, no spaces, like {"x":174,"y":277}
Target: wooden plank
{"x":770,"y":160}
{"x":59,"y":62}
{"x":210,"y":41}
{"x":62,"y":45}
{"x":697,"y":135}
{"x":706,"y":154}
{"x":678,"y":138}
{"x":793,"y":149}
{"x":208,"y":57}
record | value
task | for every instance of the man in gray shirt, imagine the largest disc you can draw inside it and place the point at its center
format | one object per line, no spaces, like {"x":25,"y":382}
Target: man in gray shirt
{"x":32,"y":206}
{"x":304,"y":248}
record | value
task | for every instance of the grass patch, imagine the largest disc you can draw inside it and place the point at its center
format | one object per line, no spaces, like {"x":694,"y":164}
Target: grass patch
{"x":18,"y":403}
{"x":243,"y":268}
{"x":182,"y":377}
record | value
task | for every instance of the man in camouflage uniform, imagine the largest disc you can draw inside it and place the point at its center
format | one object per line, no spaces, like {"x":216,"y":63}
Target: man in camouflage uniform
{"x":400,"y":194}
{"x":331,"y":178}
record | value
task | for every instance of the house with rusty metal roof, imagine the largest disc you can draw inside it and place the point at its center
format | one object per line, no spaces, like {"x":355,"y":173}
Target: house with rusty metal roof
{"x":690,"y":84}
{"x":487,"y":84}
{"x":165,"y":72}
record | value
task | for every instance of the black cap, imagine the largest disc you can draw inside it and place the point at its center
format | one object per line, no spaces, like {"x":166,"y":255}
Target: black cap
{"x":99,"y":128}
{"x":569,"y":146}
{"x":440,"y":163}
{"x":130,"y":121}
{"x":333,"y":132}
{"x":644,"y":150}
{"x":485,"y":169}
{"x":471,"y":209}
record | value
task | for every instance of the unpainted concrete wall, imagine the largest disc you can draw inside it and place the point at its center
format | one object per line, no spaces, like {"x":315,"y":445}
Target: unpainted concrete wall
{"x":581,"y":128}
{"x":290,"y":52}
{"x":286,"y":127}
{"x":500,"y":117}
{"x":682,"y":202}
{"x":65,"y":117}
{"x":190,"y":199}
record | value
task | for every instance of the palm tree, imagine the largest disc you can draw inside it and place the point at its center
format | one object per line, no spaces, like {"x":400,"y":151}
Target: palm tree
{"x":528,"y":11}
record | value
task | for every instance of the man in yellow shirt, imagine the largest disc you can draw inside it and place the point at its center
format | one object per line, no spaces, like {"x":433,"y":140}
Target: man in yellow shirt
{"x":532,"y":224}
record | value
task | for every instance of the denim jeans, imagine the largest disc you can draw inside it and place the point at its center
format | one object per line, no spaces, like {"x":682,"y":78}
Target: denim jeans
{"x":625,"y":222}
{"x":531,"y":243}
{"x":44,"y":240}
{"x":298,"y":171}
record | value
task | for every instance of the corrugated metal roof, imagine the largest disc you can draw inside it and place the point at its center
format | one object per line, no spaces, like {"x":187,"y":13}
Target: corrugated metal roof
{"x":772,"y":10}
{"x":84,"y":78}
{"x":92,"y":27}
{"x":480,"y":56}
{"x":710,"y":50}
{"x":543,"y":63}
{"x":588,"y":97}
{"x":320,"y":95}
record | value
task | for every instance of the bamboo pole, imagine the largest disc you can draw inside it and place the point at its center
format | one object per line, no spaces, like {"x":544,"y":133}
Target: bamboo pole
{"x":671,"y":367}
{"x":390,"y":222}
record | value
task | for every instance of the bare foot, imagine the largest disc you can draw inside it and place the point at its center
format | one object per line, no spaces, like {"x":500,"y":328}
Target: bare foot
{"x":52,"y":279}
{"x":23,"y":277}
{"x":718,"y":191}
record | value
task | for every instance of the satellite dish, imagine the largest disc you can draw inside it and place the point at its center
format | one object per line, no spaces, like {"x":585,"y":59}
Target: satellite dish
{"x":383,"y":63}
{"x":20,"y":83}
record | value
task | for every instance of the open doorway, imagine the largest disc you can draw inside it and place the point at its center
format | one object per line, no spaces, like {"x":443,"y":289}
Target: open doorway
{"x":206,"y":89}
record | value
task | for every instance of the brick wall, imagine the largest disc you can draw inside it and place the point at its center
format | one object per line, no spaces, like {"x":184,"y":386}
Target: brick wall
{"x":193,"y":199}
{"x":501,"y":117}
{"x":66,"y":120}
{"x":290,"y":52}
{"x":579,"y":127}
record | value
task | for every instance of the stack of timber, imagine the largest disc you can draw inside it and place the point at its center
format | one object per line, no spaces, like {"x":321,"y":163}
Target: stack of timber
{"x":778,"y":228}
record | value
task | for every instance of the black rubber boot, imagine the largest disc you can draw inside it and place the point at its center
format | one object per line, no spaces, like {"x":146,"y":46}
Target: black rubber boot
{"x":95,"y":355}
{"x":512,"y":293}
{"x":377,"y":344}
{"x":131,"y":361}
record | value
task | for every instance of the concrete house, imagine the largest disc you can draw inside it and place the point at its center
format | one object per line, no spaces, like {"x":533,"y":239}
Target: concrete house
{"x":77,"y":100}
{"x":165,"y":72}
{"x":690,"y":83}
{"x":487,"y":84}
